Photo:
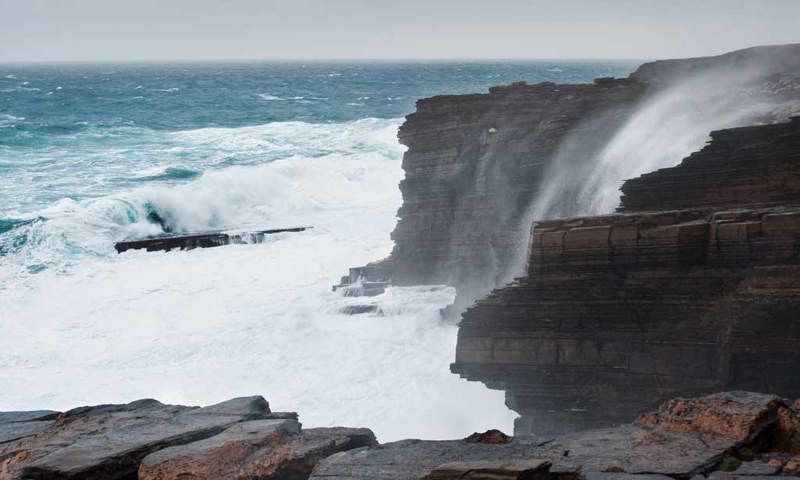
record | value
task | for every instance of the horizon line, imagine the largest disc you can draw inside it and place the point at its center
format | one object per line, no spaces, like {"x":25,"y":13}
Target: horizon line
{"x":322,"y":60}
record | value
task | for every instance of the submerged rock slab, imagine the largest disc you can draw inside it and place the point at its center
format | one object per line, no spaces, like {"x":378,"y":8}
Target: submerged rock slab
{"x":199,"y":240}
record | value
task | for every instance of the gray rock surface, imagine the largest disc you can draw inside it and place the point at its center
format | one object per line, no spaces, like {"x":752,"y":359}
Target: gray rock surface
{"x":17,"y":425}
{"x":109,"y":441}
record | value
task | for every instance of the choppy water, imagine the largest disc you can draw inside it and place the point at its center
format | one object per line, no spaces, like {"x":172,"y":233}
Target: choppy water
{"x":89,"y":152}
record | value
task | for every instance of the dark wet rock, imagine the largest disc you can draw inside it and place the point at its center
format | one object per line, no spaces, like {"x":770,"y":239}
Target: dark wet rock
{"x":359,"y":309}
{"x":489,"y":436}
{"x":188,"y":241}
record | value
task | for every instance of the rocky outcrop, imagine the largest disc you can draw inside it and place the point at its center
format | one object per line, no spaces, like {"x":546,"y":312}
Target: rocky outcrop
{"x":263,"y":449}
{"x":733,"y":434}
{"x":188,"y":241}
{"x":477,"y":169}
{"x":239,"y":438}
{"x":619,"y":312}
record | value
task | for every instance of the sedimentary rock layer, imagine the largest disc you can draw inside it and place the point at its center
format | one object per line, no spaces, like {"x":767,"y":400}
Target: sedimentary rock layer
{"x":618,"y":312}
{"x":741,"y":166}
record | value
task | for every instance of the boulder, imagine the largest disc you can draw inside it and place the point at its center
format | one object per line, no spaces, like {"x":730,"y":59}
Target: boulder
{"x":738,"y":415}
{"x":489,"y":436}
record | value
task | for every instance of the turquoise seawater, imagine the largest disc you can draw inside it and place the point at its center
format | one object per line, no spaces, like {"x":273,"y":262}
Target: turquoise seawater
{"x":80,"y":131}
{"x":92,"y":154}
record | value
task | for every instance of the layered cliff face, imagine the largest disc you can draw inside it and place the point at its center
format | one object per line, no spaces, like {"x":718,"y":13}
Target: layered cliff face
{"x":480,"y":168}
{"x":620,"y":311}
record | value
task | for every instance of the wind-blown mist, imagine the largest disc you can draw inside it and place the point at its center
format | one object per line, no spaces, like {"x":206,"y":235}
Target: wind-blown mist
{"x":665,"y":128}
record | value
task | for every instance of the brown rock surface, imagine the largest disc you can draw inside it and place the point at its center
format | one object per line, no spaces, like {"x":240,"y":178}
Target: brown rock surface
{"x":789,"y":428}
{"x":489,"y":436}
{"x":739,"y":415}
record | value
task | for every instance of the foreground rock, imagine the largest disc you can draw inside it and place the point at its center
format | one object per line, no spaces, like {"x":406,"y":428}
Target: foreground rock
{"x":239,"y":438}
{"x":737,"y":431}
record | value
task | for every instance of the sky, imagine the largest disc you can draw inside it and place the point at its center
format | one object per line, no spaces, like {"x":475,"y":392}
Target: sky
{"x":162,"y":30}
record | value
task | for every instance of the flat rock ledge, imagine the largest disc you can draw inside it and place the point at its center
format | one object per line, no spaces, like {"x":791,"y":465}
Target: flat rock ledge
{"x":146,"y":439}
{"x":725,"y":436}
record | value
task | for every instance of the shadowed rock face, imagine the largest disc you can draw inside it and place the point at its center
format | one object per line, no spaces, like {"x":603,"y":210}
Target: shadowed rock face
{"x":684,"y":438}
{"x":239,"y":438}
{"x":480,"y":168}
{"x":621,"y":311}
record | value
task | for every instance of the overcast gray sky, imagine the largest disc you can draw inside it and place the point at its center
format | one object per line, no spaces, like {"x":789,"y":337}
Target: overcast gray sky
{"x":121,"y":30}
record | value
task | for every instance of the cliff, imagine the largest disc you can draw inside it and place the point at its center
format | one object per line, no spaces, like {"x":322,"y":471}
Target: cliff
{"x":695,"y":293}
{"x":480,"y":168}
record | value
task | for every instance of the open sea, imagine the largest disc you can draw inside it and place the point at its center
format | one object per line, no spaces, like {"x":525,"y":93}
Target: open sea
{"x":90,"y":154}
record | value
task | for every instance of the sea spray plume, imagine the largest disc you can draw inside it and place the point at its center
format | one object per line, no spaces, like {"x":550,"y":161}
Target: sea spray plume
{"x":686,"y":101}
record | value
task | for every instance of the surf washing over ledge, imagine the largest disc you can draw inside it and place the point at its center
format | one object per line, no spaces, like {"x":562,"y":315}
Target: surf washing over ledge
{"x":98,"y":154}
{"x":254,"y":318}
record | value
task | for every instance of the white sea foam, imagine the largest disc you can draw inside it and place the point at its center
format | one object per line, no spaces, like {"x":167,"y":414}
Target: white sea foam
{"x":200,"y":326}
{"x":7,"y":120}
{"x":268,"y":97}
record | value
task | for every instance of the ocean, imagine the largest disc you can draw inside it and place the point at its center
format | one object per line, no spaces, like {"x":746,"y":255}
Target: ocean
{"x":91,"y":154}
